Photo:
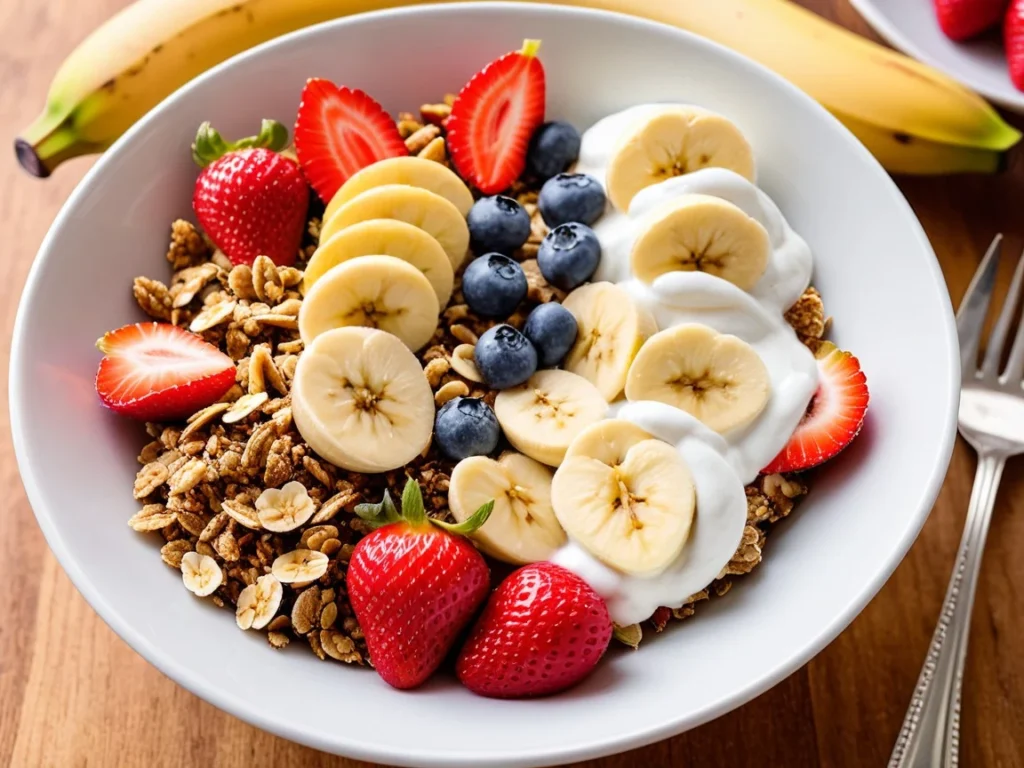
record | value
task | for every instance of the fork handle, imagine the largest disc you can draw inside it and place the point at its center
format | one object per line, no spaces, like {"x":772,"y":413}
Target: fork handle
{"x":930,"y":736}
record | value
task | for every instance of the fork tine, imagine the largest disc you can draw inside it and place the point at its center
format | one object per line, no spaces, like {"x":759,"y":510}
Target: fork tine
{"x":970,"y":318}
{"x":1015,"y":363}
{"x":994,"y":348}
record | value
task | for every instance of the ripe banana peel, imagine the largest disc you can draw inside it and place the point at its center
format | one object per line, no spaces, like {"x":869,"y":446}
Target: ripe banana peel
{"x":912,"y":117}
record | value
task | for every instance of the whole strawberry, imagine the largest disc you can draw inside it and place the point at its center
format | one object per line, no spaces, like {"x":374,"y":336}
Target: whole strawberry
{"x":250,"y":199}
{"x":544,"y":629}
{"x":414,"y":585}
{"x":1013,"y":35}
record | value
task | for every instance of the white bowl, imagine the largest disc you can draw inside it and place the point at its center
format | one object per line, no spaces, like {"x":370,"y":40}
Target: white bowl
{"x":875,"y":268}
{"x":911,"y":26}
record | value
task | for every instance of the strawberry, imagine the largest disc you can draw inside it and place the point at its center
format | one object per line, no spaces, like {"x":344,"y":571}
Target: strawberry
{"x":251,"y":200}
{"x":963,"y":19}
{"x":834,"y":416}
{"x":1013,"y":34}
{"x":340,"y":131}
{"x":160,"y":372}
{"x":494,"y":117}
{"x":543,"y":630}
{"x":414,"y":585}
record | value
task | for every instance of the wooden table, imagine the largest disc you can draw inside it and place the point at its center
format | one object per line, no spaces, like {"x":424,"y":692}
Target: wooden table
{"x":73,"y":694}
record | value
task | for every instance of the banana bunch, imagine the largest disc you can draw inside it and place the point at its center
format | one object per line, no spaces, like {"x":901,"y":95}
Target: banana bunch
{"x":914,"y":119}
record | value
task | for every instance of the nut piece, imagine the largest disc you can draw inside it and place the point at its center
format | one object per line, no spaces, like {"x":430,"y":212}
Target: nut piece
{"x":258,"y":602}
{"x":243,"y":406}
{"x":450,"y":391}
{"x":300,"y":566}
{"x":463,"y":363}
{"x":200,"y":573}
{"x":284,"y":509}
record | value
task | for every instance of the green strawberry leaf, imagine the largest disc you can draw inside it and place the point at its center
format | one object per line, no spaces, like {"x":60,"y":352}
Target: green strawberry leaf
{"x":210,"y":145}
{"x":381,"y":514}
{"x":471,"y":524}
{"x":412,"y":503}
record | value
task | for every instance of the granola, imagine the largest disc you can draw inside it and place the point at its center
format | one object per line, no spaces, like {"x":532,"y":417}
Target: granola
{"x":252,"y":517}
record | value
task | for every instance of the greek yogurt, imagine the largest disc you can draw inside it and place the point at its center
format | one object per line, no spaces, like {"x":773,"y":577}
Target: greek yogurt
{"x":721,"y":464}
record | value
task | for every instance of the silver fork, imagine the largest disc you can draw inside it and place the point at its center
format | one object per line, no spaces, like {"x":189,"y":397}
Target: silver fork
{"x":991,"y":419}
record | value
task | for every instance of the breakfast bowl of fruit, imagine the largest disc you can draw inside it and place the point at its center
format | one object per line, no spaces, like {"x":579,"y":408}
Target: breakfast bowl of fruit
{"x":552,"y":386}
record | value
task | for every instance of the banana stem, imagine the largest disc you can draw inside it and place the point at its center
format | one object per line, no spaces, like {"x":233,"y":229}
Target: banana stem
{"x":48,"y":142}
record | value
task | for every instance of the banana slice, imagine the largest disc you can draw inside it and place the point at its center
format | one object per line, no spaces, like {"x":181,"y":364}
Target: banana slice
{"x":701,"y":233}
{"x":717,"y":378}
{"x":522,"y":528}
{"x":385,"y":237}
{"x":671,"y":142}
{"x":542,"y":416}
{"x":626,"y":497}
{"x":375,"y":292}
{"x":611,"y":329}
{"x":420,"y":207}
{"x":361,"y":400}
{"x":410,"y":170}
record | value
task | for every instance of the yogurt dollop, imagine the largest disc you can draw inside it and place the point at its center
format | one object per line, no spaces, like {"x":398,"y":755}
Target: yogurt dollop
{"x":721,"y":464}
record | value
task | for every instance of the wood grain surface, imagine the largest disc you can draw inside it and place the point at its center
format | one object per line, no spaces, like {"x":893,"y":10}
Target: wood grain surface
{"x":73,"y":694}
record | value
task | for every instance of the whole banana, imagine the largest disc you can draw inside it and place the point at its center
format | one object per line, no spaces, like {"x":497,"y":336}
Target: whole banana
{"x":913,"y":118}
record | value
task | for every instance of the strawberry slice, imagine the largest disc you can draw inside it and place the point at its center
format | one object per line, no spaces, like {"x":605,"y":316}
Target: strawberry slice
{"x":834,"y":416}
{"x":494,"y":117}
{"x":160,"y":372}
{"x":340,"y":131}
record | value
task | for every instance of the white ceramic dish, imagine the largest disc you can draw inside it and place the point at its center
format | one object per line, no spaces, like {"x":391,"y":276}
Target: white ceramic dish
{"x":874,"y":267}
{"x":911,"y":26}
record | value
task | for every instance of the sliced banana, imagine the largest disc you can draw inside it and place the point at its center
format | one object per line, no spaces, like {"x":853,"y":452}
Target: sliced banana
{"x":542,"y":416}
{"x":422,"y":208}
{"x":361,"y":400}
{"x":385,"y":237}
{"x":626,"y":497}
{"x":374,"y":292}
{"x":671,"y":142}
{"x":410,"y":170}
{"x":717,"y":378}
{"x":611,"y":330}
{"x":701,"y":233}
{"x":522,"y":527}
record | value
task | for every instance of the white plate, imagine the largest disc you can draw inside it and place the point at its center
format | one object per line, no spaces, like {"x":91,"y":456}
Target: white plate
{"x":874,"y":266}
{"x":911,"y":26}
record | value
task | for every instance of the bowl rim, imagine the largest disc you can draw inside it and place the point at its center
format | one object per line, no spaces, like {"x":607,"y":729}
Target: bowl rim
{"x":600,"y":745}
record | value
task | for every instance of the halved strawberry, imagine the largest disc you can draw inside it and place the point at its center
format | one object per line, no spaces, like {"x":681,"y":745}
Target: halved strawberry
{"x":494,"y":117}
{"x":340,"y":131}
{"x":834,"y":416}
{"x":160,"y":372}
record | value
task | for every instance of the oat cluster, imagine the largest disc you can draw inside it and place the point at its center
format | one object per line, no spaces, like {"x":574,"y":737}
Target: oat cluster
{"x":247,"y":512}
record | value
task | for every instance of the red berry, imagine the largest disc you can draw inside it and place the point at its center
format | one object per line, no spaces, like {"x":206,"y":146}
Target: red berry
{"x":1013,"y":34}
{"x":963,"y":19}
{"x":414,"y":588}
{"x":494,"y":117}
{"x":340,"y":131}
{"x":834,"y":416}
{"x":160,"y":372}
{"x":543,"y":630}
{"x":252,"y":202}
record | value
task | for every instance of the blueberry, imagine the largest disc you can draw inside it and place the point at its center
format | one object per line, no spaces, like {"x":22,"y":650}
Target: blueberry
{"x":494,"y":285}
{"x":504,"y":357}
{"x":551,"y":328}
{"x":466,"y":426}
{"x":553,"y":148}
{"x":571,"y":197}
{"x":497,"y":224}
{"x":569,"y":255}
